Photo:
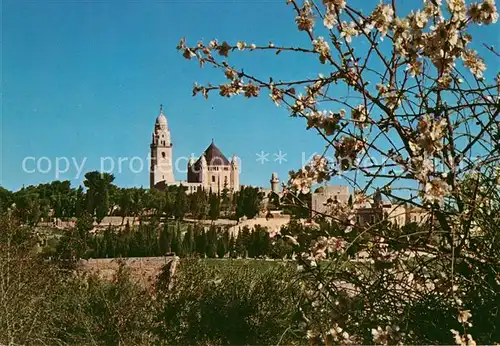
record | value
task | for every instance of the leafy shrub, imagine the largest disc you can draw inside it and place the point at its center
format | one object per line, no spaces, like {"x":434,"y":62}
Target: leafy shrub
{"x":93,"y":311}
{"x":44,"y":304}
{"x":230,"y":304}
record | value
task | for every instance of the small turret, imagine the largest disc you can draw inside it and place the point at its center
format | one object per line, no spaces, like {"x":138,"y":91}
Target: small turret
{"x":204,"y":171}
{"x":377,"y":198}
{"x":234,"y":161}
{"x":235,"y":174}
{"x":275,"y":183}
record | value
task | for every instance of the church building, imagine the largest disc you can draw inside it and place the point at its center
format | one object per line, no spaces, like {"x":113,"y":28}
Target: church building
{"x":214,"y":171}
{"x":211,"y":171}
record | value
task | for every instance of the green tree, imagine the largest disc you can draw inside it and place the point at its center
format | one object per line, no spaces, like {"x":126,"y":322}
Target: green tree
{"x":180,"y":203}
{"x":28,"y":206}
{"x":125,"y":202}
{"x":274,"y":201}
{"x":74,"y":244}
{"x":221,"y":248}
{"x":211,"y":245}
{"x":188,"y":243}
{"x":138,"y":204}
{"x":261,"y":241}
{"x":225,"y":200}
{"x":170,"y":201}
{"x":80,"y":202}
{"x":123,"y":241}
{"x":155,"y":202}
{"x":176,"y":242}
{"x":214,"y":206}
{"x":280,"y":249}
{"x":58,"y":207}
{"x":248,"y":202}
{"x":103,"y":206}
{"x":239,"y":200}
{"x":6,"y":199}
{"x":165,"y":240}
{"x":151,"y":237}
{"x":243,"y":242}
{"x":199,"y":204}
{"x":98,"y":186}
{"x":201,"y":241}
{"x":232,"y":246}
{"x":109,"y":242}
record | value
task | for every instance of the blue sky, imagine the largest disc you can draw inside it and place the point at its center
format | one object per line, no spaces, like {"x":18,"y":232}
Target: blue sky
{"x":84,"y":79}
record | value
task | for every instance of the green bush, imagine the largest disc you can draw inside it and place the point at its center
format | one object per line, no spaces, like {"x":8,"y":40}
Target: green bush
{"x":230,"y":304}
{"x":41,"y":303}
{"x":93,"y":311}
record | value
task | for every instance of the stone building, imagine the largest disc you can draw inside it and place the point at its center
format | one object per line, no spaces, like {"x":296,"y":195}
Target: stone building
{"x":399,"y":214}
{"x":368,"y":213}
{"x":396,"y":214}
{"x":212,"y":171}
{"x":324,"y":194}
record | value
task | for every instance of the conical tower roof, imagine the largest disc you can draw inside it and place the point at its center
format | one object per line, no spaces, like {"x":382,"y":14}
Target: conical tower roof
{"x":215,"y":157}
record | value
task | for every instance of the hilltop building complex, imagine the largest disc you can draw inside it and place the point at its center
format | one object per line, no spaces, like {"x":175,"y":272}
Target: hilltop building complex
{"x":211,"y":171}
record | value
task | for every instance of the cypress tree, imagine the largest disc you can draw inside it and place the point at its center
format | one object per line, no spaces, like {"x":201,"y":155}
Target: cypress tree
{"x":97,"y":247}
{"x":138,"y":243}
{"x":165,"y":240}
{"x":80,"y":202}
{"x":175,"y":244}
{"x":214,"y":206}
{"x":211,"y":242}
{"x":127,"y":237}
{"x":221,"y":248}
{"x":180,"y":203}
{"x":188,"y":241}
{"x":197,"y":239}
{"x":240,"y":202}
{"x":231,"y":246}
{"x":178,"y":235}
{"x":245,"y":241}
{"x":204,"y":244}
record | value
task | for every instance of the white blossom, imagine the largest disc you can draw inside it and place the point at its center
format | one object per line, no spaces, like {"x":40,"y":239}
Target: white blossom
{"x":349,"y":30}
{"x":436,"y":190}
{"x":330,"y":20}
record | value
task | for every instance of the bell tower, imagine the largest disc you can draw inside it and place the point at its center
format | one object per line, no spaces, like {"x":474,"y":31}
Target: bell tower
{"x":161,"y":169}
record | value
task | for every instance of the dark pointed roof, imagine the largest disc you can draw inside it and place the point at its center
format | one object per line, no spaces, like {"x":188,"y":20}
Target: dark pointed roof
{"x":215,"y":157}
